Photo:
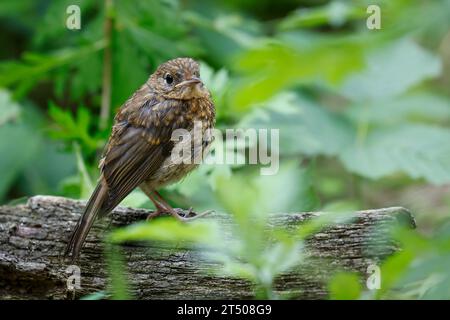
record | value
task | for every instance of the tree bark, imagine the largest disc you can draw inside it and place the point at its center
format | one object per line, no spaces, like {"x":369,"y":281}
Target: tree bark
{"x":33,"y":236}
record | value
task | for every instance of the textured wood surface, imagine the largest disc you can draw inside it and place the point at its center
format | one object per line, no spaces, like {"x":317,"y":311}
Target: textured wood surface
{"x":32,"y":237}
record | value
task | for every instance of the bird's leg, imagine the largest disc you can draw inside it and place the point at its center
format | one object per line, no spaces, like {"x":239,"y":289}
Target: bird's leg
{"x":159,"y":208}
{"x":174,"y":212}
{"x":163,"y":207}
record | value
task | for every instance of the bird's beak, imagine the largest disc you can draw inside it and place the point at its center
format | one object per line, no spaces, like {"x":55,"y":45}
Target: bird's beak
{"x":193,"y":80}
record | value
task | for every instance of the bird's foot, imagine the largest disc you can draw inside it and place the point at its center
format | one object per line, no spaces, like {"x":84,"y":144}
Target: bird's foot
{"x":155,"y":214}
{"x":188,"y":215}
{"x":185,"y":213}
{"x":162,"y":207}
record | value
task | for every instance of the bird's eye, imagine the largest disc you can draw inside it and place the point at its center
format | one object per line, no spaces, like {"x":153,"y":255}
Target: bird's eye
{"x":169,"y":79}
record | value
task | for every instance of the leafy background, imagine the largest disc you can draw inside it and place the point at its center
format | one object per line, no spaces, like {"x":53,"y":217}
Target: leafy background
{"x":363,"y":116}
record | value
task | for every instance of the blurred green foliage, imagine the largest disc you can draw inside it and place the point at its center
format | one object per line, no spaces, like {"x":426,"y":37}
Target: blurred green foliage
{"x":363,"y":117}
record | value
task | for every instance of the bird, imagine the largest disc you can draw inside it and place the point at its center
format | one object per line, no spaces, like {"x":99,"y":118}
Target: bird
{"x":140,"y":150}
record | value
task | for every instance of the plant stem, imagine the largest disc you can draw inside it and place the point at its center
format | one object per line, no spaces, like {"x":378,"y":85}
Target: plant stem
{"x":107,"y":65}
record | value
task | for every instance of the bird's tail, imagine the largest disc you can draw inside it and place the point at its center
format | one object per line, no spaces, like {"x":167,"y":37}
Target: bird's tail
{"x":93,"y":208}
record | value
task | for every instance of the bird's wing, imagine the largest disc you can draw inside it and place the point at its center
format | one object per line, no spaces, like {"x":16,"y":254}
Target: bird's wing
{"x":140,"y":142}
{"x":137,"y":148}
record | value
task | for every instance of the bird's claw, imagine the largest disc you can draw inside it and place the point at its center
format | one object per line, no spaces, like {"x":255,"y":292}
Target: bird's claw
{"x":187,"y":215}
{"x":180,"y":214}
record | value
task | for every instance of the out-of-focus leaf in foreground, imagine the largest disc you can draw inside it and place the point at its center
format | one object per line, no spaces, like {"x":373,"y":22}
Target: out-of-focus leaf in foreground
{"x":420,"y":269}
{"x":345,"y":286}
{"x":169,"y":230}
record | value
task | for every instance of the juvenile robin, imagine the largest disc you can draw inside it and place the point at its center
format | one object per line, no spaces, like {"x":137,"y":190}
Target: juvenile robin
{"x":139,"y":150}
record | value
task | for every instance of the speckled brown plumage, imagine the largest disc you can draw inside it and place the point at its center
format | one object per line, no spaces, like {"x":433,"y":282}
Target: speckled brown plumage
{"x":139,"y":149}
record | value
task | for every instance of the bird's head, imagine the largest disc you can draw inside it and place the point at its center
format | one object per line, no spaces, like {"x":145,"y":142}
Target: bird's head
{"x":178,"y":79}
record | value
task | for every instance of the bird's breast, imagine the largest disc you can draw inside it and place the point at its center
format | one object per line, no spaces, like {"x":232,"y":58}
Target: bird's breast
{"x":191,"y":139}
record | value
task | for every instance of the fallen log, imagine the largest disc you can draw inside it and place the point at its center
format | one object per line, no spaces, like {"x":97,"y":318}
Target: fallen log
{"x":33,"y":236}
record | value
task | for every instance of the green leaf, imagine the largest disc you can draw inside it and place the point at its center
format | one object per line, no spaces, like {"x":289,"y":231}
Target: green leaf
{"x":50,"y":166}
{"x":73,"y":128}
{"x":279,"y":258}
{"x":259,"y":195}
{"x":9,"y":109}
{"x":305,"y":126}
{"x":86,"y":185}
{"x":345,"y":286}
{"x":393,"y":270}
{"x":277,"y":65}
{"x":86,"y":80}
{"x":135,"y":73}
{"x":117,"y":273}
{"x":419,"y":151}
{"x":412,"y":107}
{"x":170,"y":230}
{"x":327,"y":219}
{"x":224,"y":35}
{"x":39,"y":66}
{"x":335,"y":13}
{"x":218,"y":83}
{"x":19,"y":145}
{"x":196,"y":189}
{"x":421,"y":267}
{"x":95,"y":296}
{"x":392,"y":70}
{"x":51,"y":31}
